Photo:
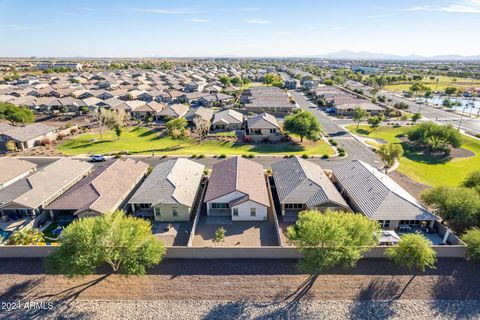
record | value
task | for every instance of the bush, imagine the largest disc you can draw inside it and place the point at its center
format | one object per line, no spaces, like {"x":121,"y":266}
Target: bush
{"x":222,"y":156}
{"x":61,"y":136}
{"x":472,"y":239}
{"x":333,"y":142}
{"x":325,"y":156}
{"x":45,"y":142}
{"x":251,"y":156}
{"x":193,"y":156}
{"x":245,"y":156}
{"x":304,"y":156}
{"x":201,"y":156}
{"x":10,"y":145}
{"x":74,"y":131}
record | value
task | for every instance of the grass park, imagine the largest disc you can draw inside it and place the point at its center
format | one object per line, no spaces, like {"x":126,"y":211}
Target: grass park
{"x":432,"y":171}
{"x":443,"y":82}
{"x":139,"y":140}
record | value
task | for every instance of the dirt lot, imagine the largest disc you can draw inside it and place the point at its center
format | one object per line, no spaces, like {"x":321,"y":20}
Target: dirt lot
{"x":244,"y":279}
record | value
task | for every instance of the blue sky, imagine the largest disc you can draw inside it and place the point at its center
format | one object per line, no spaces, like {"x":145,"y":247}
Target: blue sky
{"x":237,"y":28}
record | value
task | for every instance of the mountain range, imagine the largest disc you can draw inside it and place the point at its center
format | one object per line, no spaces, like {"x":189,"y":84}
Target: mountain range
{"x":365,"y":55}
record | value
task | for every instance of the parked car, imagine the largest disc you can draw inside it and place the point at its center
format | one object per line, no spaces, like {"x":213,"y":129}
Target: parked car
{"x":97,"y":158}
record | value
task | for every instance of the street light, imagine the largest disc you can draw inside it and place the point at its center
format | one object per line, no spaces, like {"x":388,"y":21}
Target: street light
{"x":461,"y":118}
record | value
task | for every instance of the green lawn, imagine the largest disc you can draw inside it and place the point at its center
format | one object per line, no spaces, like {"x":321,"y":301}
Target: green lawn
{"x":142,"y":141}
{"x":444,"y":81}
{"x":427,"y":170}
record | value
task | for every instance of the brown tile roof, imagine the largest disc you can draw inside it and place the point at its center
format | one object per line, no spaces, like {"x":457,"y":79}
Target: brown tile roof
{"x":238,"y":174}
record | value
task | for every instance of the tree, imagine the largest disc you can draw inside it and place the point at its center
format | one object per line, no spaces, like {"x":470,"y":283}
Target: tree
{"x":176,"y":128}
{"x":123,"y":242}
{"x":303,"y":124}
{"x":225,"y":80}
{"x":450,"y":91}
{"x":435,"y":137}
{"x":472,"y":240}
{"x":273,"y":79}
{"x":416,"y":117}
{"x":16,"y":115}
{"x":118,"y":131}
{"x":202,"y":126}
{"x":331,"y":239}
{"x":237,"y":81}
{"x":24,"y":237}
{"x":459,"y":206}
{"x":104,"y":118}
{"x":358,"y":115}
{"x":374,"y":121}
{"x":219,"y":235}
{"x":414,"y":251}
{"x":390,"y":152}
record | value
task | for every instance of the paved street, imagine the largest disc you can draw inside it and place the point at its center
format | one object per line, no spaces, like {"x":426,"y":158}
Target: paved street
{"x":354,"y":148}
{"x":470,"y":125}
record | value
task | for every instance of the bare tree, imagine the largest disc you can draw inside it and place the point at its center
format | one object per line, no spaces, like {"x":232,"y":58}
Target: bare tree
{"x":202,"y":127}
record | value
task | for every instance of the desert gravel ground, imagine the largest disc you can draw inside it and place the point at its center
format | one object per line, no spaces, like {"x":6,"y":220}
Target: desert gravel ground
{"x":244,"y":289}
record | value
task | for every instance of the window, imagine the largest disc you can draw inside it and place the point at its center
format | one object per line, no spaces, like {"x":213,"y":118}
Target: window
{"x":144,"y":205}
{"x":293,"y":206}
{"x":235,"y":212}
{"x":253,"y":212}
{"x":220,"y":205}
{"x":157,"y":212}
{"x":273,"y":130}
{"x":384,"y":223}
{"x":174,"y":212}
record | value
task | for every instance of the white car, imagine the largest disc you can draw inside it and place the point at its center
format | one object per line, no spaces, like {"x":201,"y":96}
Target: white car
{"x":97,"y":158}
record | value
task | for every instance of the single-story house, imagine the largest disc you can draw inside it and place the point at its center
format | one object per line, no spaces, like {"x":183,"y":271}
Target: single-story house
{"x":151,"y":109}
{"x":28,"y":136}
{"x":377,"y":196}
{"x":205,"y":114}
{"x":169,"y":192}
{"x":303,"y":185}
{"x":29,"y":196}
{"x":227,"y":120}
{"x":237,"y":188}
{"x":14,"y":169}
{"x":105,"y":190}
{"x":348,"y":109}
{"x":263,"y":126}
{"x":173,"y":111}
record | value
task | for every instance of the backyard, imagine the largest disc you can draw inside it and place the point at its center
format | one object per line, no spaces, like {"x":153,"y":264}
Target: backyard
{"x":431,"y":171}
{"x":141,"y":140}
{"x":443,"y":82}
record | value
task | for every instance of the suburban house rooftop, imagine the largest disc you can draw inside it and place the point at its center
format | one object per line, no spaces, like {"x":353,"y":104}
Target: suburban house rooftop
{"x":377,"y":195}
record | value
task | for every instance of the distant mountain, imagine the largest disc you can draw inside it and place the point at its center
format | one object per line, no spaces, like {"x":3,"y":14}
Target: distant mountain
{"x":365,"y":55}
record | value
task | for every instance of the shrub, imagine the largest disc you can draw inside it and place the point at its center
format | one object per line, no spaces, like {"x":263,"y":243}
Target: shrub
{"x":304,"y":156}
{"x":245,"y":156}
{"x":325,"y":156}
{"x":69,"y":124}
{"x":117,"y":156}
{"x":10,"y":145}
{"x":45,"y":142}
{"x":74,"y":130}
{"x":333,"y":142}
{"x":222,"y":156}
{"x":205,"y":172}
{"x":201,"y":156}
{"x":472,"y":239}
{"x":61,"y":136}
{"x":251,"y":156}
{"x":193,"y":156}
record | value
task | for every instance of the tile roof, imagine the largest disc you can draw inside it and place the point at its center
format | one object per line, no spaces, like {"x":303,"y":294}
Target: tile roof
{"x":10,"y":168}
{"x":104,"y":190}
{"x":301,"y":181}
{"x":173,"y":181}
{"x":238,"y":174}
{"x":377,"y":195}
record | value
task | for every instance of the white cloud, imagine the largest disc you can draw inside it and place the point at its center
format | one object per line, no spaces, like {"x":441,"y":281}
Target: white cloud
{"x":163,"y":11}
{"x":465,"y":6}
{"x":259,"y":21}
{"x":197,"y":20}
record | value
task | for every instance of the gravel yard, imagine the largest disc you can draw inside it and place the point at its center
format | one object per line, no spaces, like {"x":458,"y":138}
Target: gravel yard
{"x":245,"y":289}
